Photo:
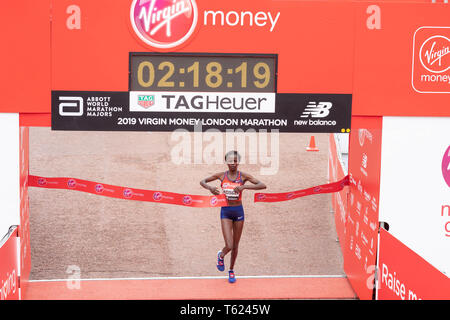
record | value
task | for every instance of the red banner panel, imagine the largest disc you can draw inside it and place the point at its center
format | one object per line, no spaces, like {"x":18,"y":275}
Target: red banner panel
{"x":402,"y":63}
{"x":362,"y":223}
{"x":404,"y":275}
{"x":9,"y":269}
{"x":91,"y":40}
{"x":25,"y":58}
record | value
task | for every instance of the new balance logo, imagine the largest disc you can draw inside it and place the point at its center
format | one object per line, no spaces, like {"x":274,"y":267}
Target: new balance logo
{"x":73,"y":106}
{"x":317,"y":110}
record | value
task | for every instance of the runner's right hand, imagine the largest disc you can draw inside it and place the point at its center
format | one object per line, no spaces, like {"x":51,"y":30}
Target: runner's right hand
{"x":214,"y":190}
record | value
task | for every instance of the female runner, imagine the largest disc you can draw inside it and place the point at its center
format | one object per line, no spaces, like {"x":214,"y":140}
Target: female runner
{"x":231,"y":216}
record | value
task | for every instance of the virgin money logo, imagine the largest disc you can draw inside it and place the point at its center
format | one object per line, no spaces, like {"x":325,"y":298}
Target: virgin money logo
{"x":214,"y":201}
{"x":446,"y":166}
{"x":99,"y":188}
{"x":164,"y":23}
{"x":71,"y":183}
{"x":127,"y":193}
{"x":157,"y":196}
{"x":260,"y":197}
{"x":187,"y":200}
{"x":431,"y":60}
{"x":42,"y":181}
{"x":435,"y":54}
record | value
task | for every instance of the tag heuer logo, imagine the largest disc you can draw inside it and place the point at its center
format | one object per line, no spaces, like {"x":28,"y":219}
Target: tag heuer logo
{"x":146,"y":101}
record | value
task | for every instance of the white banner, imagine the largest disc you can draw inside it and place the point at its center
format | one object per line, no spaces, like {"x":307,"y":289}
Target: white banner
{"x":414,"y":194}
{"x":228,"y":102}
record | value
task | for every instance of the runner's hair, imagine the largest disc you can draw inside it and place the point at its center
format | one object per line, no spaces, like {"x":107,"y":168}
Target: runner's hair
{"x":234,"y":153}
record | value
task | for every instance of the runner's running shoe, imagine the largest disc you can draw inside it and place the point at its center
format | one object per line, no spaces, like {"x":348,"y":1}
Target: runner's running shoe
{"x":220,"y":263}
{"x":231,"y":277}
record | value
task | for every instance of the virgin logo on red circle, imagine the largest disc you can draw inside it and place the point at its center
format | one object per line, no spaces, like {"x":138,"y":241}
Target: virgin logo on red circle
{"x":434,"y":54}
{"x":164,"y":23}
{"x":127,"y":193}
{"x":42,"y":181}
{"x":213,"y":201}
{"x":71,"y":183}
{"x":187,"y":200}
{"x":260,"y":197}
{"x":446,"y":166}
{"x":157,"y":196}
{"x":99,"y":188}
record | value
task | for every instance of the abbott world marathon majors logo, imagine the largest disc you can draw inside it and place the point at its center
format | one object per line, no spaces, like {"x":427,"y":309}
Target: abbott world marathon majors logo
{"x":431,"y":60}
{"x":164,"y":24}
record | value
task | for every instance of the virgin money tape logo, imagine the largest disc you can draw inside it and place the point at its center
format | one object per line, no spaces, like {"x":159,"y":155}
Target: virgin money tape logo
{"x":435,"y":54}
{"x":157,"y":196}
{"x":99,"y":188}
{"x":446,"y":166}
{"x":164,"y":23}
{"x":127,"y":193}
{"x":42,"y":181}
{"x":71,"y":183}
{"x":187,"y":200}
{"x":213,"y":201}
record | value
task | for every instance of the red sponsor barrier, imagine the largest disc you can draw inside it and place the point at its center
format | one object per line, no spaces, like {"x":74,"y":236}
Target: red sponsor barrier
{"x":361,"y":225}
{"x":126,"y":193}
{"x":285,"y":196}
{"x":9,"y":269}
{"x":404,"y":275}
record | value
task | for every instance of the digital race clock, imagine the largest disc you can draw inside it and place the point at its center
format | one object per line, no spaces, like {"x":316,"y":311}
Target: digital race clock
{"x":203,"y":72}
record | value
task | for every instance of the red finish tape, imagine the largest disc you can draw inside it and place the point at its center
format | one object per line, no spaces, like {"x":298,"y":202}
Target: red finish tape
{"x":285,"y":196}
{"x":187,"y":200}
{"x":126,"y":193}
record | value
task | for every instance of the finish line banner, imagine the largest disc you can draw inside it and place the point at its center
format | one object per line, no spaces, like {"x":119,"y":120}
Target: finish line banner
{"x":193,"y":111}
{"x":196,"y":201}
{"x":111,"y":191}
{"x":325,"y":188}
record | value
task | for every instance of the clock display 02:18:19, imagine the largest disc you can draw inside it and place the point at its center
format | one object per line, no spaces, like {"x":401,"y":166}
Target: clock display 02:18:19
{"x":227,"y":73}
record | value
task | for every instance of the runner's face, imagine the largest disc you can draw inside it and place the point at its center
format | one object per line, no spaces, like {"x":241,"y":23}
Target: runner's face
{"x":232,"y":163}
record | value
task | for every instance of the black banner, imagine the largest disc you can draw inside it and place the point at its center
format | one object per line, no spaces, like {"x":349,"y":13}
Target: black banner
{"x":143,"y":111}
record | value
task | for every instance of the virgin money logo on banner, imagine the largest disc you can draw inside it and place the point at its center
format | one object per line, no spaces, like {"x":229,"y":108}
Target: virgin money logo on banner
{"x":127,"y":193}
{"x":431,"y":60}
{"x":157,"y":196}
{"x":446,"y":166}
{"x":164,"y":23}
{"x":71,"y":183}
{"x":434,"y":54}
{"x":99,"y":188}
{"x":187,"y":200}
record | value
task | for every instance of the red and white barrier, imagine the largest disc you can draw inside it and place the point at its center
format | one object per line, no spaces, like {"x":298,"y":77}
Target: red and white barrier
{"x":9,"y":266}
{"x":404,"y":275}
